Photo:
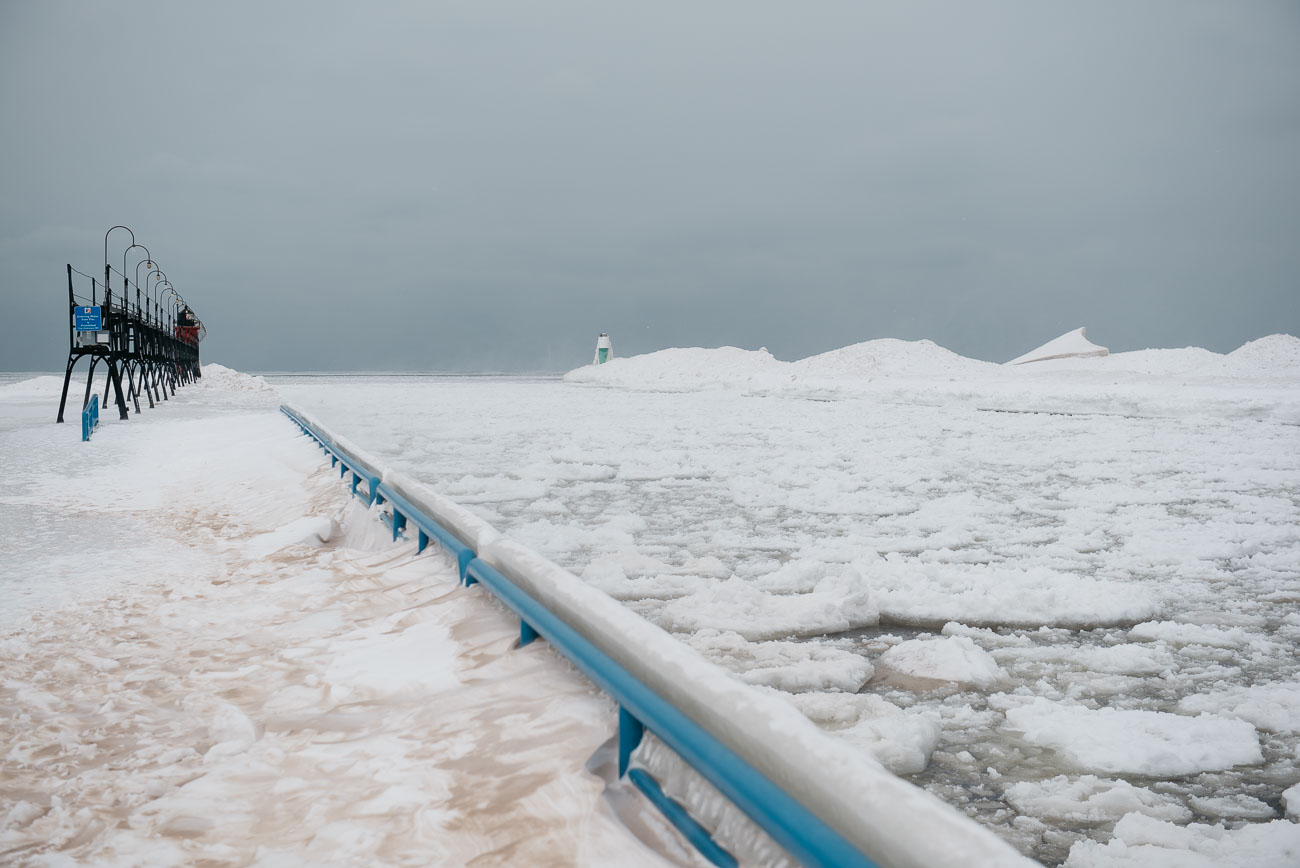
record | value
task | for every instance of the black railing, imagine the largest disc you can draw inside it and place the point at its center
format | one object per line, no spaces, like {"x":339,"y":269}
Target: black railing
{"x":152,"y":345}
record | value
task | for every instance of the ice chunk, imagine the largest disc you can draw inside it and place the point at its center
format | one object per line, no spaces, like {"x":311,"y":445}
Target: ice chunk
{"x":792,"y":666}
{"x":1236,"y":806}
{"x":1090,"y":799}
{"x":1271,"y":707}
{"x":951,"y":658}
{"x":1145,"y":842}
{"x":982,"y":594}
{"x":1291,"y":799}
{"x":1189,"y":634}
{"x":1136,"y":742}
{"x":836,"y":604}
{"x":901,"y":740}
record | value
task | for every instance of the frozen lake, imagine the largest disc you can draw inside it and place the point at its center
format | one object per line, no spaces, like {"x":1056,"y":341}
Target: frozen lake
{"x":1051,"y":619}
{"x":1063,"y":598}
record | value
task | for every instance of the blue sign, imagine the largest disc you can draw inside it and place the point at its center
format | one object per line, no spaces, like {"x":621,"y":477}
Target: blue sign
{"x":87,"y":319}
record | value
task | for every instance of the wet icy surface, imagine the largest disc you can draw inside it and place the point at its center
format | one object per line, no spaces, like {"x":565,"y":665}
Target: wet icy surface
{"x":1111,"y":601}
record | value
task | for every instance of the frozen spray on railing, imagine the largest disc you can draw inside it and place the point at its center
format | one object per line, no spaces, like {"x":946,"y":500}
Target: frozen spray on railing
{"x":604,"y":350}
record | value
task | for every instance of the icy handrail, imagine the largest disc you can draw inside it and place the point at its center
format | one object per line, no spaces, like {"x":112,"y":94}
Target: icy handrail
{"x":851,"y":797}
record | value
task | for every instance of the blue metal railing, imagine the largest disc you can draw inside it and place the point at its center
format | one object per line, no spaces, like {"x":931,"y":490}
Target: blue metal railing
{"x":340,"y":459}
{"x":803,"y":834}
{"x":90,"y":418}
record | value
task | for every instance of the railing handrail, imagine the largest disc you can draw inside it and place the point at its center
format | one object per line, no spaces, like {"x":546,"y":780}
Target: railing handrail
{"x":756,"y":749}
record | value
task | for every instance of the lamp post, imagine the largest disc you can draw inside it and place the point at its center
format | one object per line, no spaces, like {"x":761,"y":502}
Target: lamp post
{"x":137,"y":270}
{"x":171,"y":308}
{"x":150,"y":291}
{"x":108,"y":291}
{"x":149,"y":262}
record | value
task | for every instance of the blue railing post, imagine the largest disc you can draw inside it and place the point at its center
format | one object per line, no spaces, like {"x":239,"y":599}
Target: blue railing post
{"x":526,"y":633}
{"x":630,"y":731}
{"x":89,"y":418}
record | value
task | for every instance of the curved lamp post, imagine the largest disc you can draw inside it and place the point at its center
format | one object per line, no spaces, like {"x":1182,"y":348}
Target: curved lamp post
{"x":152,"y":294}
{"x":106,"y":266}
{"x":125,"y":281}
{"x":152,"y":265}
{"x":171,"y":307}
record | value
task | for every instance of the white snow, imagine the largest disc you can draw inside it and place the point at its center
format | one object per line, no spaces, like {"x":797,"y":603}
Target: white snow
{"x":1071,"y":345}
{"x":954,"y":659}
{"x":1146,"y":842}
{"x":1090,"y":799}
{"x":1150,"y":743}
{"x":1272,"y":707}
{"x":221,"y":660}
{"x":1118,"y":536}
{"x":1126,"y":539}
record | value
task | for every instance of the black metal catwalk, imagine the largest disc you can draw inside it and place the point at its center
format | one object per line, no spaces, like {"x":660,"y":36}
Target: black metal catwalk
{"x":149,"y":347}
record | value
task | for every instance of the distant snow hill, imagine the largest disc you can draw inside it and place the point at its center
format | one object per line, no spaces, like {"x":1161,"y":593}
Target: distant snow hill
{"x":1260,"y":380}
{"x":680,"y":369}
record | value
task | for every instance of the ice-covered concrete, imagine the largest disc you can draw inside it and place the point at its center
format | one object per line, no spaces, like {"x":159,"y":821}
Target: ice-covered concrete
{"x":221,"y":660}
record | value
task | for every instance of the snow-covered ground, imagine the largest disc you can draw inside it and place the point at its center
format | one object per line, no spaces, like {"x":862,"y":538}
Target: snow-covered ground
{"x":1062,"y":596}
{"x":209,"y":656}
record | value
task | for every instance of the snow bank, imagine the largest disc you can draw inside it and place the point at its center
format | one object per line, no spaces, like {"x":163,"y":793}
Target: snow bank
{"x":1273,"y":355}
{"x":1067,"y":375}
{"x":44,"y":387}
{"x":227,"y":380}
{"x":1071,"y":345}
{"x":684,"y":369}
{"x":1151,"y":743}
{"x":890,"y":357}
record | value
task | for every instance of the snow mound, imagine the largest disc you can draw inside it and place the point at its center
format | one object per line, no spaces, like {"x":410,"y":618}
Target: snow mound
{"x":683,"y":369}
{"x":1275,"y":354}
{"x":1071,"y":345}
{"x":1152,"y":743}
{"x":41,"y":387}
{"x":890,"y":357}
{"x":1186,"y":360}
{"x":229,"y":380}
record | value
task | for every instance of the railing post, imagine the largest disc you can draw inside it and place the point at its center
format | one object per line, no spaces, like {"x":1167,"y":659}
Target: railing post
{"x":630,"y":731}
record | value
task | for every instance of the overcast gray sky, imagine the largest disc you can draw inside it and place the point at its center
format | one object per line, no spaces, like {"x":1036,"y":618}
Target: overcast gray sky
{"x":488,"y":185}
